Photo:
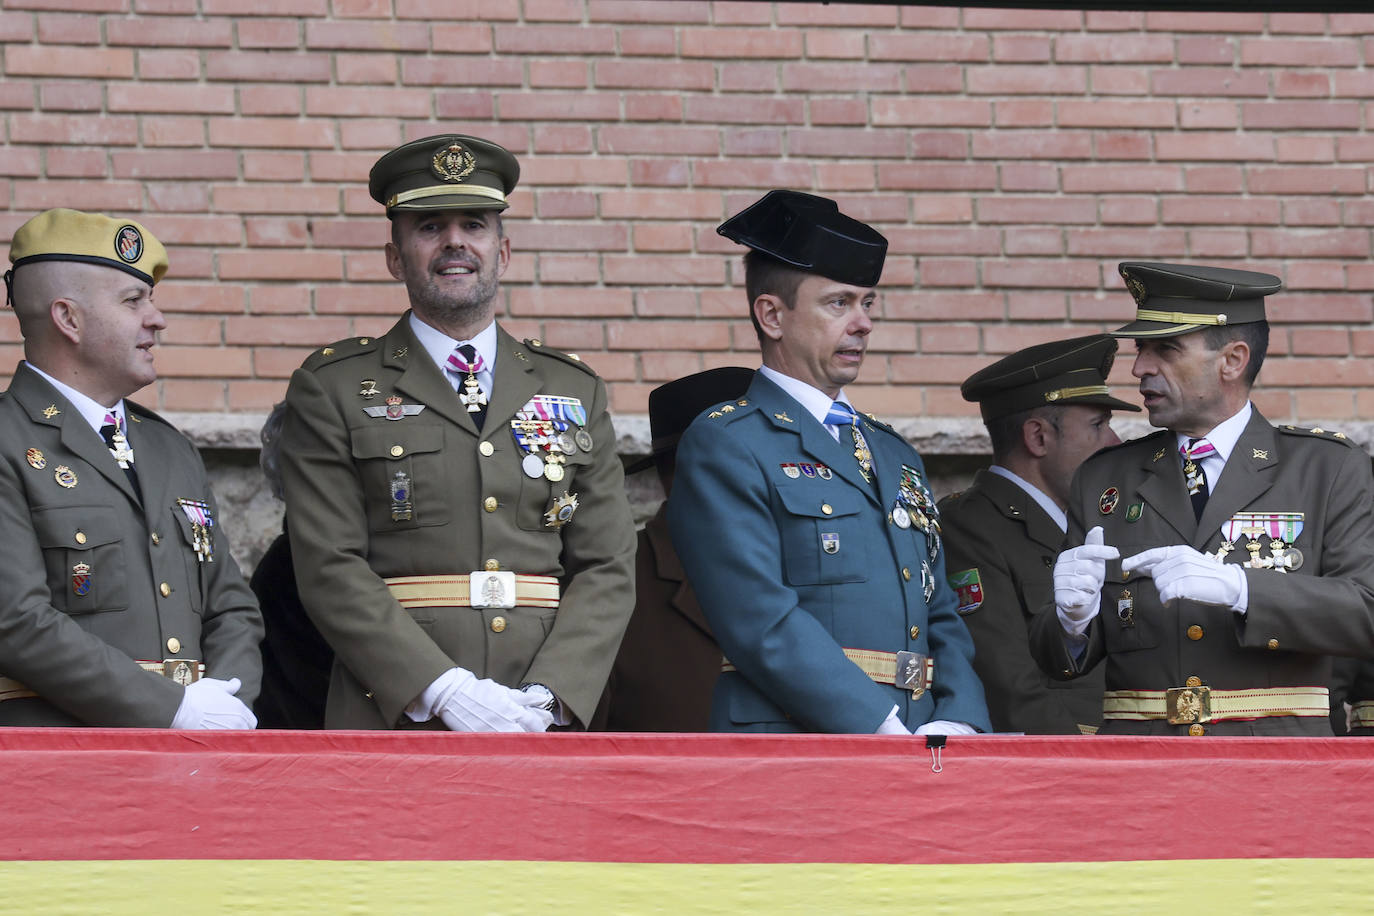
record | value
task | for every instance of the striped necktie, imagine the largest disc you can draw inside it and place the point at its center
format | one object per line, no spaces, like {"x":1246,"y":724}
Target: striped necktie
{"x":1193,"y":453}
{"x":464,"y":363}
{"x":841,"y":414}
{"x":113,"y":433}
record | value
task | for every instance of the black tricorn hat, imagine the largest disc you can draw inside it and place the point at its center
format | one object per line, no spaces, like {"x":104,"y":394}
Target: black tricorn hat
{"x":674,"y":405}
{"x":1061,"y":372}
{"x":810,"y":233}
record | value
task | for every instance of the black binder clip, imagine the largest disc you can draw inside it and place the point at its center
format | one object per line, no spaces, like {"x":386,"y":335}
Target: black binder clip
{"x":935,"y":744}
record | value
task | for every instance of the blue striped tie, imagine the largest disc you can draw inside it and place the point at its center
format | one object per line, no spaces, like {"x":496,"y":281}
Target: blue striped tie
{"x":841,"y":414}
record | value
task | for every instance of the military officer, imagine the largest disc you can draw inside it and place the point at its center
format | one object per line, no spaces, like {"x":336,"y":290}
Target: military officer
{"x":122,"y":605}
{"x":1046,"y":408}
{"x":1243,"y":547}
{"x":669,"y":660}
{"x":458,"y":519}
{"x":807,"y":530}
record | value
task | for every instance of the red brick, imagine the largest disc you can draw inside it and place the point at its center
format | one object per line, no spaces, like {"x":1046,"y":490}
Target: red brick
{"x":1025,"y":80}
{"x":1203,"y":82}
{"x":1330,"y":307}
{"x":18,"y":95}
{"x":169,"y":31}
{"x":63,"y":97}
{"x":202,"y":362}
{"x":682,"y":141}
{"x":246,"y":394}
{"x":1109,"y":79}
{"x":1299,"y":52}
{"x":268,"y":33}
{"x":1022,"y":49}
{"x":21,"y":162}
{"x":1015,"y":209}
{"x":173,"y":98}
{"x":287,"y":199}
{"x":741,"y":109}
{"x":1009,"y":144}
{"x":1294,"y":180}
{"x":69,"y":61}
{"x":952,"y":338}
{"x":1206,"y":50}
{"x":928,"y":368}
{"x":836,"y":142}
{"x":1212,"y":146}
{"x":748,"y":77}
{"x":580,"y":269}
{"x":1133,"y":210}
{"x":944,"y":208}
{"x":402,"y":103}
{"x":170,"y":164}
{"x":251,"y":329}
{"x":638,"y":74}
{"x":1328,"y":115}
{"x":1328,"y":275}
{"x":763,"y":141}
{"x":177,"y":196}
{"x":187,"y":394}
{"x":168,"y":65}
{"x":666,"y":335}
{"x":944,"y":272}
{"x":1362,"y":342}
{"x":16,"y":27}
{"x":268,"y":100}
{"x":843,"y":15}
{"x":635,"y":11}
{"x":1224,"y":211}
{"x":663,"y":270}
{"x":1212,"y":179}
{"x":937,"y":176}
{"x":1309,"y":243}
{"x":1023,"y":112}
{"x":1033,"y":241}
{"x":173,"y":130}
{"x":1218,"y":243}
{"x":655,"y":106}
{"x":1312,"y":212}
{"x":1019,"y":176}
{"x":835,"y":43}
{"x":930,"y":79}
{"x":274,"y":166}
{"x":930,"y":112}
{"x":915,"y":46}
{"x":1057,"y":274}
{"x":1195,"y":115}
{"x":650,"y":41}
{"x":278,"y":233}
{"x":1122,"y":145}
{"x":1119,"y":49}
{"x":666,"y":303}
{"x":183,"y":329}
{"x":1289,"y":83}
{"x":665,"y":172}
{"x":558,"y":106}
{"x":1119,"y":178}
{"x":68,"y":28}
{"x":191,"y":263}
{"x":109,"y":196}
{"x":559,"y":74}
{"x":367,"y":36}
{"x":753,"y":174}
{"x":368,"y":267}
{"x":939,"y":145}
{"x":466,"y":106}
{"x":1140,"y":115}
{"x":1204,"y":22}
{"x":736,"y":43}
{"x":198,"y":230}
{"x":844,"y":77}
{"x":361,"y":9}
{"x":1126,"y":243}
{"x":572,"y":236}
{"x":576,"y":171}
{"x":565,"y":303}
{"x":943,"y":241}
{"x":271,"y":132}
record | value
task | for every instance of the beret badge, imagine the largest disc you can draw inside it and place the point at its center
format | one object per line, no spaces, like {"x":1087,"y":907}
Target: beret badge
{"x":453,"y":163}
{"x":129,"y":244}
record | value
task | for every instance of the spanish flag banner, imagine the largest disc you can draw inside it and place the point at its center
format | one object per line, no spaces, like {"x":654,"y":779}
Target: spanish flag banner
{"x":131,"y":821}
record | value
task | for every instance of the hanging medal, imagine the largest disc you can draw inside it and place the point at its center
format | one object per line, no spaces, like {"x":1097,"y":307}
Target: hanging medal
{"x":202,"y":540}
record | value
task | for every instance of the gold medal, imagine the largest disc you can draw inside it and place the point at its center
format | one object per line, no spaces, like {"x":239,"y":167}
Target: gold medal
{"x":553,"y":472}
{"x":35,"y":458}
{"x":64,"y":476}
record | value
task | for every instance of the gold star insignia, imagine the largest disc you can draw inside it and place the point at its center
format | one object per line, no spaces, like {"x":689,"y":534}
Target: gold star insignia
{"x":51,"y":411}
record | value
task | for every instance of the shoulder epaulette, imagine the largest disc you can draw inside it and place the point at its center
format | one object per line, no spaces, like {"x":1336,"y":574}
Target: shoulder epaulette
{"x":1316,"y":432}
{"x":729,"y":410}
{"x":341,"y":349}
{"x":572,"y":359}
{"x":139,"y":413}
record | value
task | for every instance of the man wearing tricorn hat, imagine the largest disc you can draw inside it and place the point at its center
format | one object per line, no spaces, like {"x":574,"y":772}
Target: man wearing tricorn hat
{"x":1222,"y":559}
{"x":122,"y":605}
{"x":1046,"y":408}
{"x":807,"y":530}
{"x":459,"y":524}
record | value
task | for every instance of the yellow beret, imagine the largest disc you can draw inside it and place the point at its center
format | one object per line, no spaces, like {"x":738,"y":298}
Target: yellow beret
{"x":447,"y":172}
{"x":90,"y":238}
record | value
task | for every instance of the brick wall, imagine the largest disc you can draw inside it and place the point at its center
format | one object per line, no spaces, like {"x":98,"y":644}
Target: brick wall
{"x":1013,"y":158}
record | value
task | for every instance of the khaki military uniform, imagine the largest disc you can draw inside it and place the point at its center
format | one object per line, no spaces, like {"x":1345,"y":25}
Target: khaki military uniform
{"x":471,"y":509}
{"x":1002,"y":547}
{"x":95,"y":581}
{"x":1294,"y":620}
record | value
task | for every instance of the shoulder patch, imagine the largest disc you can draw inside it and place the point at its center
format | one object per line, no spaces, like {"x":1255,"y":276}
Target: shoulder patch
{"x":1317,"y":432}
{"x":968,"y":586}
{"x":340,"y":349}
{"x":535,"y":345}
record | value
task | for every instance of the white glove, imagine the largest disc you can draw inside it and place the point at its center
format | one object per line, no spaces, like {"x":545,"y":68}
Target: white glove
{"x":945,"y":727}
{"x":471,"y":705}
{"x":892,"y":725}
{"x":1182,"y":572}
{"x":1078,"y":576}
{"x":210,"y":703}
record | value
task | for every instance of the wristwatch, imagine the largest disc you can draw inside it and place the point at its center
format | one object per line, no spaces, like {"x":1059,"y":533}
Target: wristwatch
{"x":549,"y":705}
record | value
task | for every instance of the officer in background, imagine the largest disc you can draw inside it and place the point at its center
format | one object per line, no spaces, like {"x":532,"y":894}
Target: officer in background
{"x":1046,"y":409}
{"x":122,"y":605}
{"x":1243,"y":547}
{"x":458,"y":517}
{"x":807,"y":531}
{"x":669,"y":660}
{"x":296,"y":661}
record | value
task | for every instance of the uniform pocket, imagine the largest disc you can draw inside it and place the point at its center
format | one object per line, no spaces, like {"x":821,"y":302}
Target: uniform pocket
{"x":537,"y":494}
{"x":1127,"y":621}
{"x":823,"y":536}
{"x":83,"y":556}
{"x":401,"y":468}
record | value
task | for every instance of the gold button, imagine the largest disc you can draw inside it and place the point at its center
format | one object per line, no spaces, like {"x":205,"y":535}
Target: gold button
{"x":486,"y":448}
{"x":328,"y":351}
{"x":493,"y":566}
{"x":165,"y":589}
{"x":156,"y":539}
{"x":397,"y":451}
{"x":1273,"y":643}
{"x":489,"y":504}
{"x":825,"y":508}
{"x":915,"y":631}
{"x":81,"y":537}
{"x":1196,"y":730}
{"x":1195,"y":632}
{"x":364,"y":341}
{"x":1193,"y":681}
{"x":173,"y":645}
{"x":536,"y":342}
{"x":498,"y":624}
{"x":906,"y":574}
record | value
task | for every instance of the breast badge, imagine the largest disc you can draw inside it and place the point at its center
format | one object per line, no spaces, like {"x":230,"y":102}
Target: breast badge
{"x":81,"y":579}
{"x":368,"y":391}
{"x":1281,"y":529}
{"x":830,"y":542}
{"x":197,"y":512}
{"x":402,"y":509}
{"x":35,"y":459}
{"x":64,"y":476}
{"x":394,"y":409}
{"x":561,"y":512}
{"x":548,"y":429}
{"x":1106,"y":503}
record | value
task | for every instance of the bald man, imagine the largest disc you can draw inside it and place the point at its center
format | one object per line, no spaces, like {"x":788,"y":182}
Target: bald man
{"x":119,"y":602}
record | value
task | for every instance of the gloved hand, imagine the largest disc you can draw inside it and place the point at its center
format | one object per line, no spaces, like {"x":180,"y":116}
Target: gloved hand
{"x":1078,"y":576}
{"x":945,"y":727}
{"x":210,"y":703}
{"x":1182,"y":572}
{"x":471,"y":705}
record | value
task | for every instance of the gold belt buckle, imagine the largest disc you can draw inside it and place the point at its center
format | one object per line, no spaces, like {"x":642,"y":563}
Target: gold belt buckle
{"x":1186,"y":705}
{"x":182,"y":670}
